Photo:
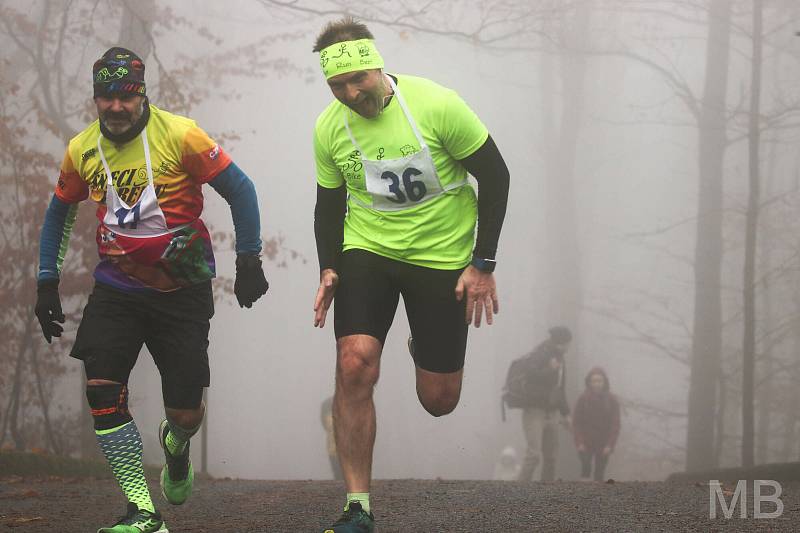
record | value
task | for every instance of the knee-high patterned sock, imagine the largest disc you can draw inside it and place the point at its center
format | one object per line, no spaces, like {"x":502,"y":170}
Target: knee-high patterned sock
{"x":122,"y":447}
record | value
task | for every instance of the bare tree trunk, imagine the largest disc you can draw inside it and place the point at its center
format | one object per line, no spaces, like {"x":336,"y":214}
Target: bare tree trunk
{"x":707,"y":326}
{"x":751,"y":234}
{"x":136,"y":27}
{"x":563,"y":252}
{"x":15,"y":402}
{"x":560,"y":137}
{"x":765,"y":392}
{"x":719,"y":429}
{"x":792,"y":416}
{"x":52,"y":440}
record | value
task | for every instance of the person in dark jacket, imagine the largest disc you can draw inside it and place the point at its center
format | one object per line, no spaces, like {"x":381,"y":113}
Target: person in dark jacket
{"x":539,"y":420}
{"x":596,"y":423}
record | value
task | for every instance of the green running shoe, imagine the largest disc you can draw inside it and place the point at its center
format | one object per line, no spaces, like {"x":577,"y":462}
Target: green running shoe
{"x":137,"y":521}
{"x":354,"y":520}
{"x":177,"y":476}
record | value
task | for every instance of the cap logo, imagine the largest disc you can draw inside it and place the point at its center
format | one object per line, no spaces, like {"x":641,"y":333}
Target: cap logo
{"x":104,"y":76}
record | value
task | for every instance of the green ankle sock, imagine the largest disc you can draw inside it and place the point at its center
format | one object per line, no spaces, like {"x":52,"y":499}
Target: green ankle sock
{"x":174,"y":445}
{"x":360,"y":497}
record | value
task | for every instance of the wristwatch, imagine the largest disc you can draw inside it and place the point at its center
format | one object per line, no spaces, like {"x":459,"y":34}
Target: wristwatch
{"x":484,"y":265}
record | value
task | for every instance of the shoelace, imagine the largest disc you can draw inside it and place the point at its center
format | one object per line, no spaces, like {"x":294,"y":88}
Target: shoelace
{"x":131,"y":512}
{"x":140,"y":516}
{"x":349,"y":515}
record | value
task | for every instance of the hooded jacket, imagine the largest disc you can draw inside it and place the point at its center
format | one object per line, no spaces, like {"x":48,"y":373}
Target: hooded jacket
{"x":596,"y":417}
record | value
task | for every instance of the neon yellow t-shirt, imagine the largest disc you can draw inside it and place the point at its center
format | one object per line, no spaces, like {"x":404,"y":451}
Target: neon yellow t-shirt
{"x":439,"y":233}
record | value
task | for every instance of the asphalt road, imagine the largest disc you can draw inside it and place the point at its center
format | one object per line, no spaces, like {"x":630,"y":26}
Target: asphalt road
{"x":420,"y":506}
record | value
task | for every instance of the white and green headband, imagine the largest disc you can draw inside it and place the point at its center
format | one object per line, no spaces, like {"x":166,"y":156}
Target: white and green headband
{"x":349,"y":56}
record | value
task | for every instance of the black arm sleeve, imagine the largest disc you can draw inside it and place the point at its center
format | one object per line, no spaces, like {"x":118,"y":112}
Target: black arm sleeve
{"x":490,"y":170}
{"x":329,"y":224}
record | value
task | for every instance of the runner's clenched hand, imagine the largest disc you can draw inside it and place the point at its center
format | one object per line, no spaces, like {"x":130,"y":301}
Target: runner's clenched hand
{"x":250,"y":284}
{"x":48,"y":309}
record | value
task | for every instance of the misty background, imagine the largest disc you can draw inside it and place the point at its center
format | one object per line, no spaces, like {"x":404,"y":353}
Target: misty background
{"x":630,"y":129}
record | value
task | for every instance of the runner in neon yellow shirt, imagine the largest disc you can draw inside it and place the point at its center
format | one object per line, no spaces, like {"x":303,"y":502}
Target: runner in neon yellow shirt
{"x":396,"y":216}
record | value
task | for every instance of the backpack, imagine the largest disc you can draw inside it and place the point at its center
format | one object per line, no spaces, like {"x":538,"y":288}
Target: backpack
{"x":518,"y":391}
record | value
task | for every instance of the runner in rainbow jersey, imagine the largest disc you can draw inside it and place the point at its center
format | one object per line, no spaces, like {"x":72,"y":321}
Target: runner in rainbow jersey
{"x":145,"y":168}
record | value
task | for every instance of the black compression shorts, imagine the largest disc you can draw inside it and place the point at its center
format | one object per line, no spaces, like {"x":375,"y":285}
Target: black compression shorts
{"x":367,"y":297}
{"x":174,"y":326}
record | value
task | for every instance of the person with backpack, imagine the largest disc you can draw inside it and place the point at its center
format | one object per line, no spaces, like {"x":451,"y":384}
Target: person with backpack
{"x":596,"y":424}
{"x":535,"y":384}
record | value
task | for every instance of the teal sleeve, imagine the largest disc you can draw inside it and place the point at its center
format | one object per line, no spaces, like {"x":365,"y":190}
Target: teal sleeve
{"x":56,"y":230}
{"x":240,"y":193}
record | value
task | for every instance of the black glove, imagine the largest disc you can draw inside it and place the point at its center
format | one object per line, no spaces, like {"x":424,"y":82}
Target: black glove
{"x":48,"y":309}
{"x":250,"y":284}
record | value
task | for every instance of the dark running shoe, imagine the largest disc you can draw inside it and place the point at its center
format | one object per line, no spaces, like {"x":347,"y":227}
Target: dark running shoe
{"x":354,"y":520}
{"x":177,"y":476}
{"x":137,"y":521}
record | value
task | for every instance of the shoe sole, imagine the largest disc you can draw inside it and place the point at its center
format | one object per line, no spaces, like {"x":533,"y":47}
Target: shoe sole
{"x":162,"y":530}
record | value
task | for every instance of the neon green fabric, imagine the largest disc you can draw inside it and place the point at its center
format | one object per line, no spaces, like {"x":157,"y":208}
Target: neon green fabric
{"x":436,"y":234}
{"x":349,"y":56}
{"x":175,"y":446}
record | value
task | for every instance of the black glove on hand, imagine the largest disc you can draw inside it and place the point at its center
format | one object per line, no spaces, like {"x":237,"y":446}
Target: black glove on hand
{"x":48,"y":309}
{"x":250,"y":284}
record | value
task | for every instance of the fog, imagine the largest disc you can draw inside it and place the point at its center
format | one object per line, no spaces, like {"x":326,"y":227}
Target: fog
{"x":633,"y":204}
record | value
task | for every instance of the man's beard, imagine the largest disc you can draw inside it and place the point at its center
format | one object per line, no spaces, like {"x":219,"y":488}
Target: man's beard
{"x":367,"y":108}
{"x":374,"y":103}
{"x":120,"y":122}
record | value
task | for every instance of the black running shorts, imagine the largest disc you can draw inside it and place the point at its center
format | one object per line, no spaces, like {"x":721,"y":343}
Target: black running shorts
{"x":367,"y":297}
{"x":174,"y":326}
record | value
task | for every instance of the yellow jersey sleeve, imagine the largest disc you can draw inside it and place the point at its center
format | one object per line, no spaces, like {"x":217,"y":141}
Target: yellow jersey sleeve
{"x":328,"y":174}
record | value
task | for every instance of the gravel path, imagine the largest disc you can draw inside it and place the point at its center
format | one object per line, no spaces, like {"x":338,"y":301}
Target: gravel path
{"x":235,"y":506}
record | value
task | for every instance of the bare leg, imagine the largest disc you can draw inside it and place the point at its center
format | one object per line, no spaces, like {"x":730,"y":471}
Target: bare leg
{"x":188,"y":419}
{"x":357,"y":371}
{"x":439,"y":393}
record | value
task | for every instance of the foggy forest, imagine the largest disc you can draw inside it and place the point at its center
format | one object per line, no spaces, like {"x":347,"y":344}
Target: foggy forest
{"x":652,"y":149}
